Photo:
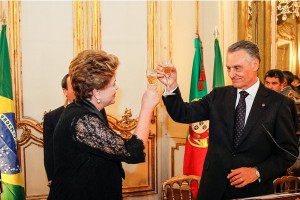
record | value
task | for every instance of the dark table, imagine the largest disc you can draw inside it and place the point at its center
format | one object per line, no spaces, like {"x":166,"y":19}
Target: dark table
{"x":277,"y":196}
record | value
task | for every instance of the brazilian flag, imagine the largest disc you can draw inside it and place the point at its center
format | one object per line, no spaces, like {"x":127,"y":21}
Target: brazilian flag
{"x":12,"y":180}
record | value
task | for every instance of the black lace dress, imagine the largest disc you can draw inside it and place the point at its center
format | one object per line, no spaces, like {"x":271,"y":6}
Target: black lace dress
{"x":88,"y":156}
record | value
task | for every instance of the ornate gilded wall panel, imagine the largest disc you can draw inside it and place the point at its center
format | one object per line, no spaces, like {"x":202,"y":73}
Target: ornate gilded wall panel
{"x":274,"y":27}
{"x":87,"y":34}
{"x":86,"y":25}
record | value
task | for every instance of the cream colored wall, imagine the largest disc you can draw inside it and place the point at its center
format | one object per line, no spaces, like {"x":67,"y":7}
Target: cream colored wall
{"x":124,"y":32}
{"x":47,"y":48}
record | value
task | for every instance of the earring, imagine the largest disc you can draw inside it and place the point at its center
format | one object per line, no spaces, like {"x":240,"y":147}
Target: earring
{"x":98,"y":100}
{"x":97,"y":96}
{"x":66,"y":103}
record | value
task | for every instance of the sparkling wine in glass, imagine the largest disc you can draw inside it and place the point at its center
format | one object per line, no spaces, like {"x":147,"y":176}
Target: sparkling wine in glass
{"x":151,"y":76}
{"x":167,"y":66}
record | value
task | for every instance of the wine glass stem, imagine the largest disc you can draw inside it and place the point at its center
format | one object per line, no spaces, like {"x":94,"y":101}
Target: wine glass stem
{"x":167,"y":88}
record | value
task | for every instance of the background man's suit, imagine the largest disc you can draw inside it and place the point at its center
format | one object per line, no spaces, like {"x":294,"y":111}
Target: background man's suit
{"x":50,"y":120}
{"x":256,"y":149}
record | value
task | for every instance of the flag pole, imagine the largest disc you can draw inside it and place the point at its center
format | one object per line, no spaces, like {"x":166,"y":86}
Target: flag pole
{"x":3,"y":17}
{"x":216,"y":32}
{"x":218,"y":75}
{"x":197,"y":18}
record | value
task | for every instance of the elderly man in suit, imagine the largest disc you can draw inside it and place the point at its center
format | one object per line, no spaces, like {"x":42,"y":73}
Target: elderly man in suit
{"x":50,"y":121}
{"x":242,"y":159}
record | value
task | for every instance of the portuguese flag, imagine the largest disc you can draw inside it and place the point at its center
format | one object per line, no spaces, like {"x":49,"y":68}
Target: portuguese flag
{"x":197,"y":137}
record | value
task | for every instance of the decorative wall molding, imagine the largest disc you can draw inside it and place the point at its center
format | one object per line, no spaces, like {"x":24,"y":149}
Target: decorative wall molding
{"x":151,"y":186}
{"x":87,"y":32}
{"x":173,"y":150}
{"x":26,"y":134}
{"x":286,"y":31}
{"x":23,"y":147}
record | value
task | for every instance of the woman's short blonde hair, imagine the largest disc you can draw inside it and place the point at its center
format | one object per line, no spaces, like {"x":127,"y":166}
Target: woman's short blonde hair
{"x":91,"y":69}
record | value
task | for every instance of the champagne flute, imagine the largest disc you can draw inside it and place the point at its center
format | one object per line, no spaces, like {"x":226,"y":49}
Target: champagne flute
{"x":167,"y":67}
{"x":151,"y":76}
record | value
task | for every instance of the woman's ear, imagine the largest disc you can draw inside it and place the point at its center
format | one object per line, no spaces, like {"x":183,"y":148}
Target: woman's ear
{"x":65,"y":92}
{"x":96,"y":94}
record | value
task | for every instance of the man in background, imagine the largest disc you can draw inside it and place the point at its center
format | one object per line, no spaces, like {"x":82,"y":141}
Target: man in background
{"x":50,"y":120}
{"x":296,"y":84}
{"x":274,"y":80}
{"x":287,"y":89}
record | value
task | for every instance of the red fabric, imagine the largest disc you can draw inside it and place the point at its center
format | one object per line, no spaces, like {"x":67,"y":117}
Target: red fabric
{"x":194,"y":189}
{"x":194,"y":156}
{"x":202,"y":79}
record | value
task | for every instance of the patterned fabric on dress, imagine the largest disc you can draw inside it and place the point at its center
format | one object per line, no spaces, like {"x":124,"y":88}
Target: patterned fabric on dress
{"x":91,"y":132}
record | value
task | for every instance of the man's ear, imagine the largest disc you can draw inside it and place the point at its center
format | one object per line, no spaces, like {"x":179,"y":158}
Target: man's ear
{"x":65,"y":92}
{"x":255,"y":63}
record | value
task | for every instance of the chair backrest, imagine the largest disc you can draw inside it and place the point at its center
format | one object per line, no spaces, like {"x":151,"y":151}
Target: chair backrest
{"x":294,"y":170}
{"x":286,"y":184}
{"x":179,"y":188}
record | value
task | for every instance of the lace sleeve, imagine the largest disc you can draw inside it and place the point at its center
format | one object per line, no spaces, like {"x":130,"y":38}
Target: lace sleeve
{"x":91,"y":131}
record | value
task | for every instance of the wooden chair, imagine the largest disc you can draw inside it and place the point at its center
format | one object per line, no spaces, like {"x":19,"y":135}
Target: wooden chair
{"x":286,"y":184}
{"x":178,"y":188}
{"x":294,"y":170}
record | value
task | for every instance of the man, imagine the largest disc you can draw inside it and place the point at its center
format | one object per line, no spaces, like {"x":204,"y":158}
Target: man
{"x":274,"y":80}
{"x":242,"y":159}
{"x":50,"y":121}
{"x":287,"y":89}
{"x":296,"y":84}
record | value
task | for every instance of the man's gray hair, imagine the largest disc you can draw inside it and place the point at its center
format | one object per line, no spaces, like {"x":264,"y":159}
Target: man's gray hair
{"x":250,"y":47}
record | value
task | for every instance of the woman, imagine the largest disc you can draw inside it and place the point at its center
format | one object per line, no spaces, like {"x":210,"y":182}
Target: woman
{"x":87,"y":153}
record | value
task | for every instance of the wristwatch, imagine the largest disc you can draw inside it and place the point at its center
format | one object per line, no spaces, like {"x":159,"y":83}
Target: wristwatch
{"x":257,"y":174}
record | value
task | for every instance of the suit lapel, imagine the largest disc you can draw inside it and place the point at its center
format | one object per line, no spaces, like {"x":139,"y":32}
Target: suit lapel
{"x":256,"y":112}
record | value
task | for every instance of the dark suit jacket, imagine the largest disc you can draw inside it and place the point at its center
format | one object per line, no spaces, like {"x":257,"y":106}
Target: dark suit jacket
{"x":50,"y":121}
{"x":256,"y":149}
{"x":294,"y":110}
